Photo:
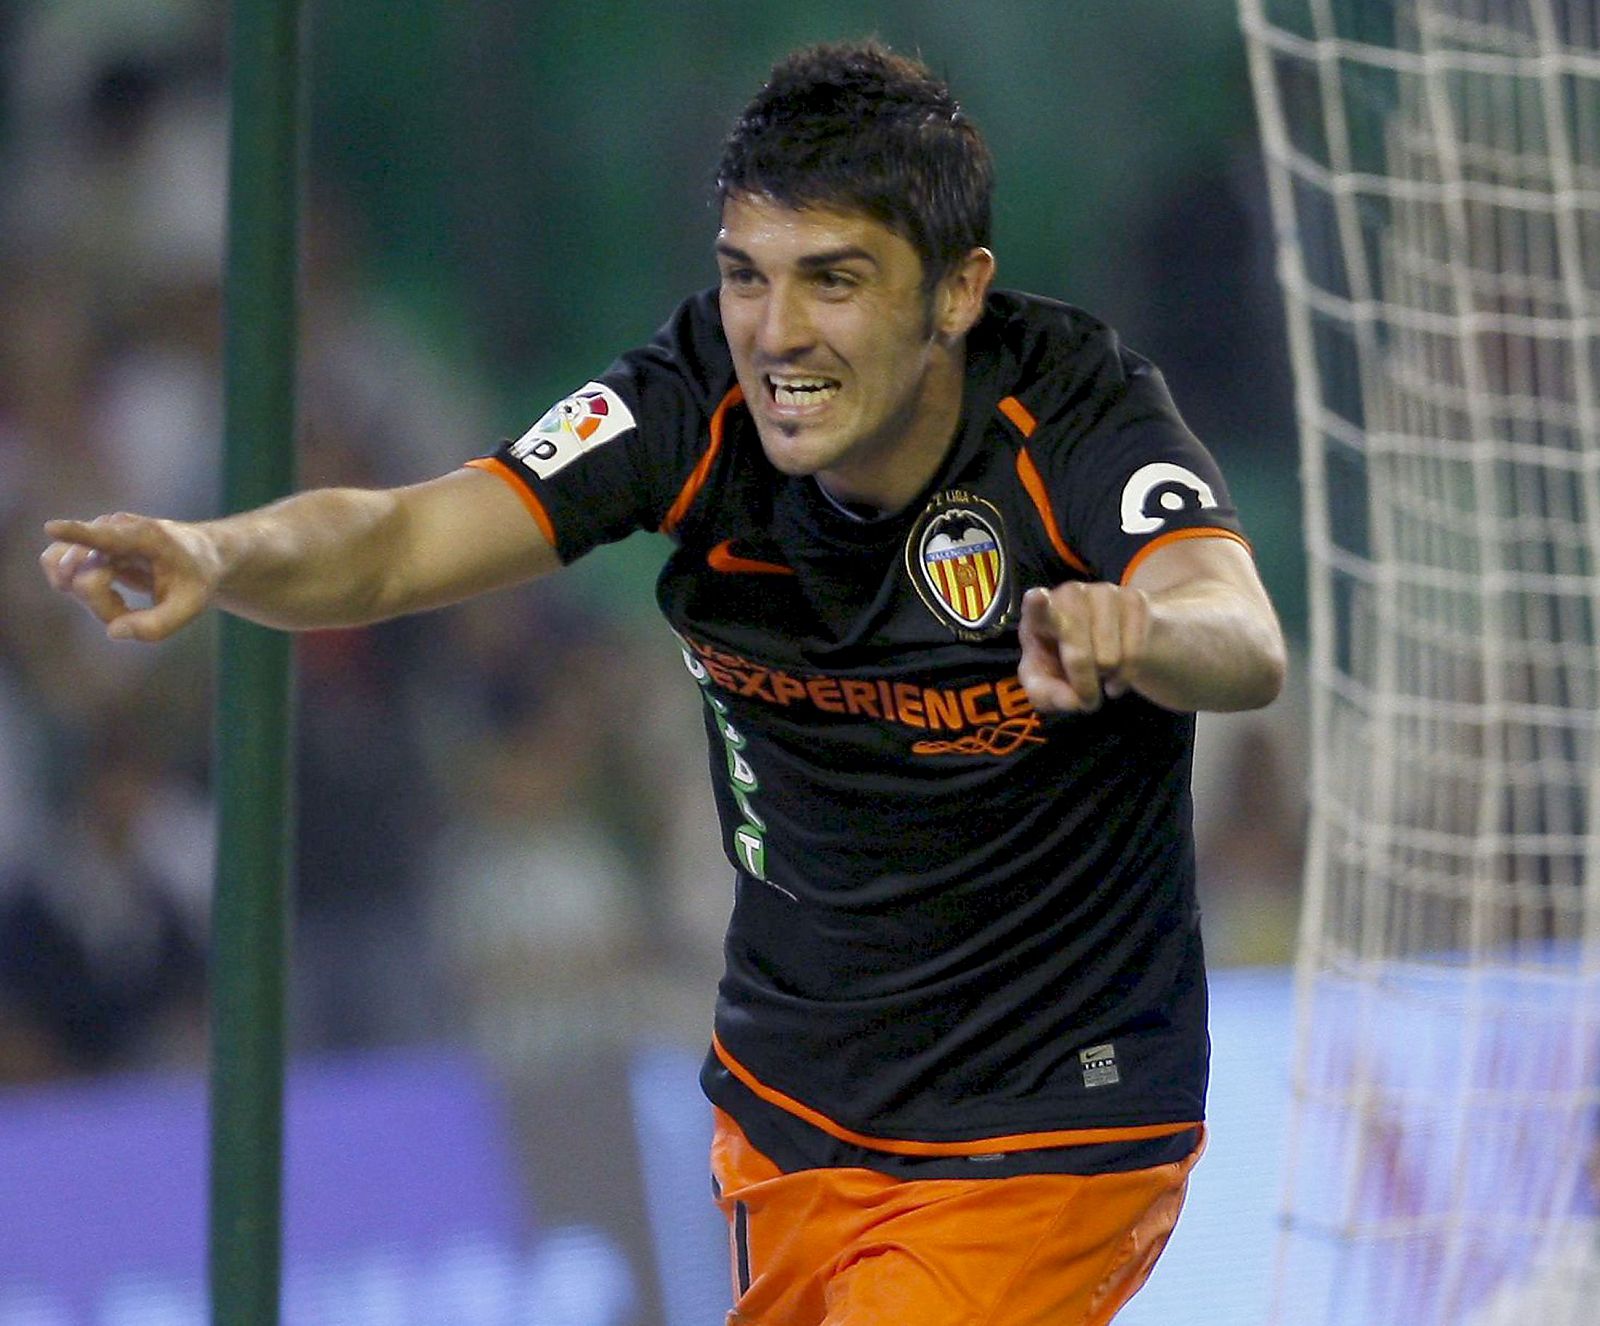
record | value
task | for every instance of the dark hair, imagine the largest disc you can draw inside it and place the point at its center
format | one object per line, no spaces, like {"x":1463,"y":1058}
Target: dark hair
{"x":857,"y":128}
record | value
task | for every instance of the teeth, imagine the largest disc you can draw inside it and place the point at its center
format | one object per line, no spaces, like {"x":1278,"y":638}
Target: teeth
{"x":802,"y":391}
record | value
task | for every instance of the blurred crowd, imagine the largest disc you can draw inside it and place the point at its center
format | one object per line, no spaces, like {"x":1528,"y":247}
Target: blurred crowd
{"x":491,"y":801}
{"x":503,"y":822}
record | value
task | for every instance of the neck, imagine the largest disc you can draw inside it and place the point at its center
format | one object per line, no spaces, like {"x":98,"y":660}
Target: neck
{"x":856,"y":511}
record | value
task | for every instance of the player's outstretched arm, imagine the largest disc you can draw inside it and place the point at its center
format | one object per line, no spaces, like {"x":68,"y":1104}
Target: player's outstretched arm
{"x":1192,"y":629}
{"x":330,"y":557}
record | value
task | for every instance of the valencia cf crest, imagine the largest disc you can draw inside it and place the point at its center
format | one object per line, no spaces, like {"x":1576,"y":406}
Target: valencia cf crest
{"x":956,"y":557}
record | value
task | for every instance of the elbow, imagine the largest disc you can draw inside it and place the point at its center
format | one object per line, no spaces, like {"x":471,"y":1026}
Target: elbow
{"x":1275,"y":673}
{"x":1253,"y":673}
{"x":1269,"y":671}
{"x":1263,"y":659}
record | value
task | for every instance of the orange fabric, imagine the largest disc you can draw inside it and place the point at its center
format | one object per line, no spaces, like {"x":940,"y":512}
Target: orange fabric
{"x":851,"y":1247}
{"x":497,"y":467}
{"x":982,"y":1146}
{"x":1033,"y":483}
{"x":1019,"y":414}
{"x":1175,"y":536}
{"x":697,"y":480}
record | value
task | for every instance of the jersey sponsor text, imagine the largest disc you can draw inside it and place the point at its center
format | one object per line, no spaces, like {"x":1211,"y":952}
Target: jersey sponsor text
{"x":987,"y":718}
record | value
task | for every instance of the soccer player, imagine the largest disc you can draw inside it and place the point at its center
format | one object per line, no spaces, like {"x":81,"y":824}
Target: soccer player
{"x":952,"y":577}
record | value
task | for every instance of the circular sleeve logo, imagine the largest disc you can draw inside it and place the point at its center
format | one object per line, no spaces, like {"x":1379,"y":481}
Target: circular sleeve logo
{"x":1159,"y":491}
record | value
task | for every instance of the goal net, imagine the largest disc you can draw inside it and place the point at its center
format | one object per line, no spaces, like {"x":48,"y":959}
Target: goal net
{"x":1435,"y":177}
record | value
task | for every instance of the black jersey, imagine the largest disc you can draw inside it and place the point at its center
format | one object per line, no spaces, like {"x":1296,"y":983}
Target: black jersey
{"x":960,"y":928}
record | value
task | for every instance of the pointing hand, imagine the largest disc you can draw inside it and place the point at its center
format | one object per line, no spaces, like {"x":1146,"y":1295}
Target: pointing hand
{"x":169,"y":561}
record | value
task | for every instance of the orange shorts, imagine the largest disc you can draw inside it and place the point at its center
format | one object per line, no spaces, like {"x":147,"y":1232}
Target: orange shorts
{"x":852,"y":1247}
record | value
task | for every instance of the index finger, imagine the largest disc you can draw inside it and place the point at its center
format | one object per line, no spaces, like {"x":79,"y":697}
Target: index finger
{"x":1074,"y":620}
{"x":106,"y":535}
{"x":1035,"y":620}
{"x":1039,"y":669}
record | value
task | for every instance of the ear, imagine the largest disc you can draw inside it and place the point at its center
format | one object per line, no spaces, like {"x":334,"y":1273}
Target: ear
{"x":959,"y":298}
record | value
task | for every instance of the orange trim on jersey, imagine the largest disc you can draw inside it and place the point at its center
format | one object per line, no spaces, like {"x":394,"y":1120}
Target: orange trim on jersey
{"x":982,"y":1146}
{"x":696,"y":481}
{"x":1033,"y":482}
{"x":1175,"y":536}
{"x":1018,"y":413}
{"x":497,"y":467}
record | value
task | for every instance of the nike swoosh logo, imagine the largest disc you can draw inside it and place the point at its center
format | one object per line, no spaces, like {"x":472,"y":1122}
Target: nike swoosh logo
{"x":723,"y":558}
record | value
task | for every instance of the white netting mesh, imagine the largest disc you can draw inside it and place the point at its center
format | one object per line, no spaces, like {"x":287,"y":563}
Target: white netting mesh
{"x":1435,"y":167}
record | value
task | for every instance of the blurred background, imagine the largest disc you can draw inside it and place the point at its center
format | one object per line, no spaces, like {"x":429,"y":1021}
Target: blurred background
{"x":508,"y":874}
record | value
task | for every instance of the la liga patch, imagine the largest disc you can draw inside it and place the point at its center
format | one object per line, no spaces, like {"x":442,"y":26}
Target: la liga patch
{"x":590,"y":417}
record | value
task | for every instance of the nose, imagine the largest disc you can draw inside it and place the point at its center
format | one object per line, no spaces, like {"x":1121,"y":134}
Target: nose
{"x":784,"y":328}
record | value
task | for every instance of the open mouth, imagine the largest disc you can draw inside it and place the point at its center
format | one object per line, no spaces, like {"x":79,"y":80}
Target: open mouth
{"x":794,"y":392}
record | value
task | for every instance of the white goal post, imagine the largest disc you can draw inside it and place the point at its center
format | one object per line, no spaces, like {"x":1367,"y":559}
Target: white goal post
{"x":1435,"y":175}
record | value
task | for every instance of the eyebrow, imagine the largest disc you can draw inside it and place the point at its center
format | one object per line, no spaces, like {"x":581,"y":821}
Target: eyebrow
{"x":811,"y":261}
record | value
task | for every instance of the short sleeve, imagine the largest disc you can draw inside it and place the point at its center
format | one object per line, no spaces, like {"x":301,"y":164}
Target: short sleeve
{"x":613,"y":456}
{"x":1123,"y":471}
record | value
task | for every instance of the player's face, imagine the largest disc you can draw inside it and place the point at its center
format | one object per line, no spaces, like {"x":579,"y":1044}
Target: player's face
{"x":851,"y":368}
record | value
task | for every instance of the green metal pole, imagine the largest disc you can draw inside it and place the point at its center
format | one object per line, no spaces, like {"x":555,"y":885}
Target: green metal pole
{"x":250,"y":920}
